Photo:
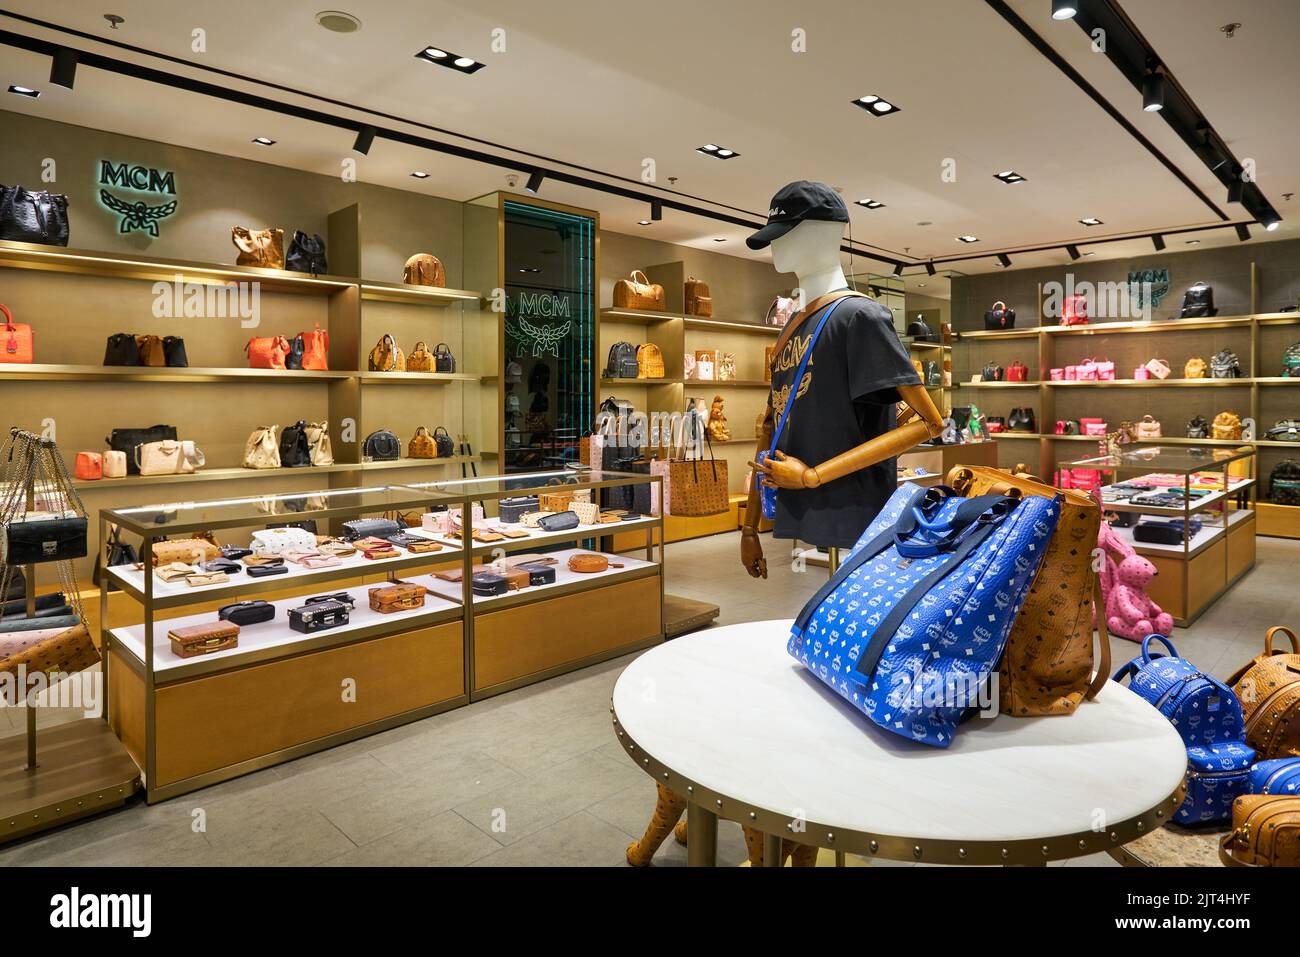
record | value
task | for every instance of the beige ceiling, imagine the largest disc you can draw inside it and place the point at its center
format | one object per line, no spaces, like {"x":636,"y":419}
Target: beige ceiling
{"x":607,"y":85}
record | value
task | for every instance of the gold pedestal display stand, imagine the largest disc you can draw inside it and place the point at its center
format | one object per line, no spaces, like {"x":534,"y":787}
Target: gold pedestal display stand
{"x":80,"y":767}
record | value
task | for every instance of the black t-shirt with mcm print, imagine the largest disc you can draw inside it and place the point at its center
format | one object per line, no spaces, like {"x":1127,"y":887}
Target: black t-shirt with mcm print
{"x":847,"y":397}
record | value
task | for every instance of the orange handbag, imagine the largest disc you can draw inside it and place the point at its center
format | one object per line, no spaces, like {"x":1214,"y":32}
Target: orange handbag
{"x":15,"y":340}
{"x":315,"y":349}
{"x":90,"y":466}
{"x":267,"y":352}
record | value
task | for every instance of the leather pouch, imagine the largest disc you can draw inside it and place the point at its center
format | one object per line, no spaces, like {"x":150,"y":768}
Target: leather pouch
{"x":559,"y":522}
{"x":370,"y":527}
{"x":590,"y":562}
{"x":194,"y":640}
{"x":399,"y":596}
{"x":250,"y":612}
{"x":225,"y":565}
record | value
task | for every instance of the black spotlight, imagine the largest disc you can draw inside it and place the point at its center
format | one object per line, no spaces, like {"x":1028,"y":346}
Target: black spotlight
{"x":1073,"y":251}
{"x":1271,"y":220}
{"x":656,"y":210}
{"x":1004,"y":259}
{"x":898,"y":269}
{"x":63,"y":69}
{"x":1064,"y":9}
{"x":365,"y":138}
{"x":929,"y":268}
{"x":1158,"y":241}
{"x":1153,"y":92}
{"x":535,"y":181}
{"x":1236,"y":189}
{"x":1243,"y":232}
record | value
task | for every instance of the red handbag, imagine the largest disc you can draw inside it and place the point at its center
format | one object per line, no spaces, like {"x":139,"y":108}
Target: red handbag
{"x":316,"y":349}
{"x":1017,"y":372}
{"x":267,"y":352}
{"x":89,"y":467}
{"x":1074,"y":312}
{"x":15,"y":340}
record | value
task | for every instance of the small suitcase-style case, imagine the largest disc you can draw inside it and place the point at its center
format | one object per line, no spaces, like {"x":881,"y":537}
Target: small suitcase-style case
{"x":398,"y":596}
{"x":319,"y":615}
{"x":194,"y":640}
{"x":539,"y":574}
{"x":490,"y":583}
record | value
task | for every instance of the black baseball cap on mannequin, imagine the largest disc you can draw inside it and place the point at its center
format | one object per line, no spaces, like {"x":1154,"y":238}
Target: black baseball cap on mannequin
{"x":793,"y":204}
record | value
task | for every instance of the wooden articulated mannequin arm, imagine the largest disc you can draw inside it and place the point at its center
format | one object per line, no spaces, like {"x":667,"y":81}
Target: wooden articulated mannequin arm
{"x":751,"y":550}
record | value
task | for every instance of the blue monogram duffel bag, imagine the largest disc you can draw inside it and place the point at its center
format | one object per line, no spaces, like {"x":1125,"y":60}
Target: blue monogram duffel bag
{"x":912,"y":624}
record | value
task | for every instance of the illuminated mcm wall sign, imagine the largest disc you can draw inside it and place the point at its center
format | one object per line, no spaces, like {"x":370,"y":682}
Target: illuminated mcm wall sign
{"x":1148,"y":283}
{"x":136,"y":213}
{"x":526,"y":323}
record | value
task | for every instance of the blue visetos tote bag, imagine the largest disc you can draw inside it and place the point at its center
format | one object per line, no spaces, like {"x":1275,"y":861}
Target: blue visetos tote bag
{"x":910,"y":627}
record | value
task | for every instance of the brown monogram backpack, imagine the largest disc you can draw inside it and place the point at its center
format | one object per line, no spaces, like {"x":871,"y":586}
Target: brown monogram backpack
{"x":699,"y":300}
{"x":1047,"y":666}
{"x":1269,"y":691}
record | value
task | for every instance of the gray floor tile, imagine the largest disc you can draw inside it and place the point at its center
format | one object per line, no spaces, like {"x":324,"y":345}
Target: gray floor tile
{"x":435,"y":840}
{"x":579,"y":840}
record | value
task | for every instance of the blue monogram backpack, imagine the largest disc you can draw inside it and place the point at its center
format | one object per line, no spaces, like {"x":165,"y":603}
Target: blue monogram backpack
{"x":1207,"y":715}
{"x":912,"y":624}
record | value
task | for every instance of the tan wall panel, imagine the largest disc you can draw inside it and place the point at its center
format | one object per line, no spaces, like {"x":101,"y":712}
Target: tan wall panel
{"x":210,"y":723}
{"x":527,"y":639}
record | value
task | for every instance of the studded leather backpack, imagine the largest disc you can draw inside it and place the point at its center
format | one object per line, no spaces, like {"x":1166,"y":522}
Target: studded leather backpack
{"x":1269,"y":691}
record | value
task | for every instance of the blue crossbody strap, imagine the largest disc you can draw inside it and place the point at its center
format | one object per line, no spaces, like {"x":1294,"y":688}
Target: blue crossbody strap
{"x":798,"y":378}
{"x":884,"y":634}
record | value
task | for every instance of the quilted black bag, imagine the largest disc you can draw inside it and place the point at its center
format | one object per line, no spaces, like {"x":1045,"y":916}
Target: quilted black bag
{"x":305,"y":254}
{"x":33,"y":216}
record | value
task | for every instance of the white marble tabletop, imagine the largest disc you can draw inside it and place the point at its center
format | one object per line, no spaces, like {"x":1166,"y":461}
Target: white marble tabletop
{"x":728,"y":718}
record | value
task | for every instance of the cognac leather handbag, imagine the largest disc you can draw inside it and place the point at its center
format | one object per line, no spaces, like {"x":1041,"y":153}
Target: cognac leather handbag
{"x":699,"y":300}
{"x":205,"y":639}
{"x":1227,"y":425}
{"x":588,"y":563}
{"x":258,"y":247}
{"x":638,"y":292}
{"x":424,"y":269}
{"x":16,"y":345}
{"x":422,"y":445}
{"x":151,"y":351}
{"x":420,"y":359}
{"x":1265,"y":832}
{"x":1048,"y":664}
{"x":386,"y":356}
{"x":306,"y":254}
{"x":399,"y":596}
{"x":120,"y":349}
{"x":269,"y":352}
{"x":1269,"y":691}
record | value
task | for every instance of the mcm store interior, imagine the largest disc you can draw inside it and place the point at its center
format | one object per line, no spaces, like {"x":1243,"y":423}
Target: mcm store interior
{"x":438,"y":434}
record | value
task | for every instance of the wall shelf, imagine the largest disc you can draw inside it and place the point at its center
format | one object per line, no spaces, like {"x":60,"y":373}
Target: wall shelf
{"x":1240,"y":382}
{"x":50,"y":372}
{"x":237,"y":474}
{"x":415,"y":378}
{"x":415,"y":295}
{"x":718,"y":325}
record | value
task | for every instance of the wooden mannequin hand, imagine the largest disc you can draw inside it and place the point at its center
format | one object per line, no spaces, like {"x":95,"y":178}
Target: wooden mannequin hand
{"x":785,"y":471}
{"x":751,"y":554}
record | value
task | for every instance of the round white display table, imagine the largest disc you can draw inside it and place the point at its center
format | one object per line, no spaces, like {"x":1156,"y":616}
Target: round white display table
{"x":728,"y":720}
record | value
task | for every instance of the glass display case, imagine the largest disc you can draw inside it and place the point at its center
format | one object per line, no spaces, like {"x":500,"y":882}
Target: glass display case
{"x":1188,"y":510}
{"x":279,"y":691}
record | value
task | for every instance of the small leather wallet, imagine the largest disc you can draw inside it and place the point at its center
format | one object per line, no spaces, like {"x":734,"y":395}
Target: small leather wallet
{"x":234,"y":552}
{"x":266,"y":571}
{"x":321,"y":561}
{"x":374,"y":554}
{"x":262,"y":561}
{"x":247,"y":612}
{"x":222,"y":565}
{"x":207,"y":578}
{"x":420,"y":546}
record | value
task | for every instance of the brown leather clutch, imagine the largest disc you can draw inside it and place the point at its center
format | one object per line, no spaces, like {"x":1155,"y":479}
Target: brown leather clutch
{"x":193,"y":640}
{"x":399,"y":596}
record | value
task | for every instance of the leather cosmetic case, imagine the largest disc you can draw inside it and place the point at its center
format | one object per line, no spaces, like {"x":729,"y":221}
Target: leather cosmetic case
{"x":194,"y":640}
{"x":487,"y":584}
{"x":249,"y":612}
{"x":370,"y":527}
{"x":559,"y":522}
{"x":320,"y":613}
{"x":539,"y":574}
{"x":398,"y":596}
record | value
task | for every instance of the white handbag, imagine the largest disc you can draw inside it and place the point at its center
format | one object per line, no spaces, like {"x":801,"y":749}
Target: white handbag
{"x":586,"y":511}
{"x":114,"y":464}
{"x":275,"y":541}
{"x":262,"y":450}
{"x":169,"y":458}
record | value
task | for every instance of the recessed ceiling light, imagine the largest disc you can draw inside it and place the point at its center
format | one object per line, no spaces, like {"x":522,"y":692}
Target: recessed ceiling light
{"x":1090,"y":253}
{"x":643,"y":222}
{"x":1010,"y":177}
{"x":717,"y":152}
{"x":1193,"y":242}
{"x":925,"y":222}
{"x":719,"y":239}
{"x":420,"y":174}
{"x":875,"y":105}
{"x":26,"y":91}
{"x":452,"y":61}
{"x":337,"y":21}
{"x":870,"y":203}
{"x":1063,"y":9}
{"x":263,"y":141}
{"x":968,"y":239}
{"x":530,"y":268}
{"x":1090,"y":221}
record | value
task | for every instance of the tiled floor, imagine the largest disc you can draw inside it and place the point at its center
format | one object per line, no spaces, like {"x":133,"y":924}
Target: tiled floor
{"x":529,"y":778}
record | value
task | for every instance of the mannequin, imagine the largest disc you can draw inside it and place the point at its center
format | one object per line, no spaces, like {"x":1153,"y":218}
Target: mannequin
{"x":805,"y":227}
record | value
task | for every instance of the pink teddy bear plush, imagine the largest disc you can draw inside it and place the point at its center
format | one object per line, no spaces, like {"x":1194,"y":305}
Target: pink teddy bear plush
{"x":1130,"y":612}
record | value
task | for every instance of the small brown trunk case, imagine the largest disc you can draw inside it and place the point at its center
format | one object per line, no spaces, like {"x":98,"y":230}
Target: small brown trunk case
{"x":399,"y":596}
{"x":194,"y":640}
